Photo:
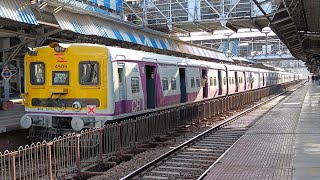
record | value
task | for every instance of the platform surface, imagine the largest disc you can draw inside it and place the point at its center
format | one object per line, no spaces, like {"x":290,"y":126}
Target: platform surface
{"x":284,"y":144}
{"x":10,"y":119}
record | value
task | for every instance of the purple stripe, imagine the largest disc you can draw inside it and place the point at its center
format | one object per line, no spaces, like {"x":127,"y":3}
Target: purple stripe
{"x":121,"y":107}
{"x":169,"y":100}
{"x":69,"y":114}
{"x":192,"y":96}
{"x":175,"y":99}
{"x":125,"y":106}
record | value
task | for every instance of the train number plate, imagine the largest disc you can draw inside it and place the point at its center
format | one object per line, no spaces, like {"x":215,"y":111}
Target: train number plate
{"x":61,"y":66}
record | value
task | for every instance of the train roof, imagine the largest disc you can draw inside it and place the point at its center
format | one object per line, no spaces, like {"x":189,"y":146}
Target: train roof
{"x":134,"y":55}
{"x":118,"y":53}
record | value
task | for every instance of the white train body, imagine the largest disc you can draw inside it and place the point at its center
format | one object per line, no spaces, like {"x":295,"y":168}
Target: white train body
{"x":139,"y":82}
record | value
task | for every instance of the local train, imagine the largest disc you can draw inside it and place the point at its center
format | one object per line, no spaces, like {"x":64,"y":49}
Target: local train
{"x":86,"y":85}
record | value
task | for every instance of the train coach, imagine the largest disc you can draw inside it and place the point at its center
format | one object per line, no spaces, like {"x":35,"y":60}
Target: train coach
{"x":76,"y":86}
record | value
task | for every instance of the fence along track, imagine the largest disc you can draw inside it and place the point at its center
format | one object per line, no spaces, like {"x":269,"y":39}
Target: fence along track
{"x":67,"y":154}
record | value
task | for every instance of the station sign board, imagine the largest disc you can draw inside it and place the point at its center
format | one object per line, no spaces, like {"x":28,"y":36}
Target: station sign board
{"x":6,"y":73}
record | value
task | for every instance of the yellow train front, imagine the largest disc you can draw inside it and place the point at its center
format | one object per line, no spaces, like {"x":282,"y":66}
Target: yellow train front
{"x":66,"y":86}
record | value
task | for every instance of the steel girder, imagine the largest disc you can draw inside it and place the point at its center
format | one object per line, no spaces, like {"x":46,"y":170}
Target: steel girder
{"x":286,"y":22}
{"x":188,"y":14}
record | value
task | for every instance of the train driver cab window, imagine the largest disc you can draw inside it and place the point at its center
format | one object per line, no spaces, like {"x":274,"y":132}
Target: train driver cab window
{"x":37,"y":73}
{"x":60,"y":77}
{"x":89,"y":73}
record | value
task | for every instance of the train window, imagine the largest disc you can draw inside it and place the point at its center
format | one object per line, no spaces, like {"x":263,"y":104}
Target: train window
{"x":173,"y":83}
{"x":214,"y":81}
{"x":211,"y":81}
{"x":89,"y":73}
{"x":232,"y":80}
{"x":60,"y":77}
{"x":240,"y":80}
{"x":198,"y":82}
{"x":120,"y":75}
{"x":193,"y":85}
{"x":135,"y":87}
{"x":37,"y":73}
{"x":165,"y":84}
{"x":229,"y":80}
{"x":224,"y":81}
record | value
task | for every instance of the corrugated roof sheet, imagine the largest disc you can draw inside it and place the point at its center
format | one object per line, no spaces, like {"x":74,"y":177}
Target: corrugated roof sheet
{"x":17,"y":10}
{"x":94,"y":6}
{"x":89,"y":25}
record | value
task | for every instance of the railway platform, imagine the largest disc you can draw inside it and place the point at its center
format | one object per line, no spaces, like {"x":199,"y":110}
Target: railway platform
{"x":284,"y":144}
{"x":10,"y":119}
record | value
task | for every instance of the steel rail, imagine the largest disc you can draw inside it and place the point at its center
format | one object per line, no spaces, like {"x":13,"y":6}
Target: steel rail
{"x":196,"y":138}
{"x":216,"y":161}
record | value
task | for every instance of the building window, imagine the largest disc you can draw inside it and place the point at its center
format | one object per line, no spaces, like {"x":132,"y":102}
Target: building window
{"x":211,"y":81}
{"x":89,"y":73}
{"x":173,"y":83}
{"x":135,"y":87}
{"x":193,"y":85}
{"x":198,"y":82}
{"x":37,"y":73}
{"x":165,"y":84}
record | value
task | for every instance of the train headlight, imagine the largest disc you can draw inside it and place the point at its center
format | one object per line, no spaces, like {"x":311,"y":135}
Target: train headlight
{"x":59,"y":49}
{"x":76,"y":106}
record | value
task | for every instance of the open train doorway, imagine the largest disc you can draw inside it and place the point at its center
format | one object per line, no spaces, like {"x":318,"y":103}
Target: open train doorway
{"x":220,"y":82}
{"x":151,"y":90}
{"x":183,"y":88}
{"x":204,"y":83}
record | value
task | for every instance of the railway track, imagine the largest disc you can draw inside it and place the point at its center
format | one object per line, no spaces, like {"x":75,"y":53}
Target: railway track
{"x":191,"y":159}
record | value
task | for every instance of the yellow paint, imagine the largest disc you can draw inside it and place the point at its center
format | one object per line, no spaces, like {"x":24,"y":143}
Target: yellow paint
{"x":23,"y":99}
{"x":58,"y":90}
{"x":68,"y":61}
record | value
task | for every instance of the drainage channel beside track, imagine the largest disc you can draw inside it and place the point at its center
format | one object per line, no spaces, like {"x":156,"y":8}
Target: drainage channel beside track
{"x":192,"y":158}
